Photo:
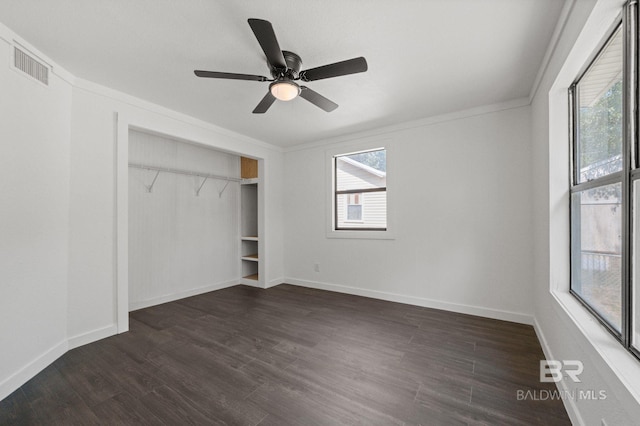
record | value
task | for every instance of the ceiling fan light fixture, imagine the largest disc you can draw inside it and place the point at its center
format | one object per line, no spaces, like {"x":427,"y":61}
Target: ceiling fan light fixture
{"x":284,"y":90}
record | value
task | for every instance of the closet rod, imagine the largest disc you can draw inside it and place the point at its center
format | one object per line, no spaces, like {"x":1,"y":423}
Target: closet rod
{"x":183,"y":172}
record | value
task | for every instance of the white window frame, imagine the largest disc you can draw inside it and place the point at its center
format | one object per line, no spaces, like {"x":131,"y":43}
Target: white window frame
{"x":349,"y":148}
{"x":578,"y":186}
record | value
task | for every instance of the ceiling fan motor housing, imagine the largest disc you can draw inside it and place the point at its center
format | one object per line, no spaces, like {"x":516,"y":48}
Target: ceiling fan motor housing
{"x":294,"y":62}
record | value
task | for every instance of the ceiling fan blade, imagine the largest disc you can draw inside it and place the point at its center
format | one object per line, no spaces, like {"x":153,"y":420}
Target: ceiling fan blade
{"x":264,"y":104}
{"x":317,"y":99}
{"x":263,"y":31}
{"x":350,"y":66}
{"x":229,"y":75}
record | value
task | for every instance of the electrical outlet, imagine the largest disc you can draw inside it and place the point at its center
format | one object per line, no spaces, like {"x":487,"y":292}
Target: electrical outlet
{"x":316,"y":267}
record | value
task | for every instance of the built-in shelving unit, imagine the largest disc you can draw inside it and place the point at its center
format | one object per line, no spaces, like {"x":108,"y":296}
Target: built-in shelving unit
{"x":249,"y":255}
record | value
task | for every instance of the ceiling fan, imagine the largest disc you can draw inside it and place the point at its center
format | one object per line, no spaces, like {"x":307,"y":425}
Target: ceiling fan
{"x":285,"y":71}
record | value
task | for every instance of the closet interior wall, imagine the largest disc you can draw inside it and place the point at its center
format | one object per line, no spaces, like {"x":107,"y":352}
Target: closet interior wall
{"x":181,"y":242}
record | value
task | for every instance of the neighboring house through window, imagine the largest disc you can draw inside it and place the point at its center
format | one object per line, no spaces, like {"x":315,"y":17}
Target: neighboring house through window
{"x":354,"y":207}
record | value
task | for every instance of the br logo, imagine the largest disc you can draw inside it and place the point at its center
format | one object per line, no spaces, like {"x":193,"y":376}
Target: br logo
{"x":551,"y":370}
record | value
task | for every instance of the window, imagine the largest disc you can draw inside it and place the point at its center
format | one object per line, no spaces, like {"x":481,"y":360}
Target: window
{"x":360,"y":185}
{"x":604,"y":178}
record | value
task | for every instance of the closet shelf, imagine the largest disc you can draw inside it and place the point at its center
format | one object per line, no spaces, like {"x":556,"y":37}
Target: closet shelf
{"x":251,"y":277}
{"x":204,"y":176}
{"x":249,"y":238}
{"x":250,"y":257}
{"x":185,"y":172}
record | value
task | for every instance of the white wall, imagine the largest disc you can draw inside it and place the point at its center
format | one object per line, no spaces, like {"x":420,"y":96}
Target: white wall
{"x":459,"y":193}
{"x":92,"y":291}
{"x":34,"y":222}
{"x":563,"y":333}
{"x":180,"y":243}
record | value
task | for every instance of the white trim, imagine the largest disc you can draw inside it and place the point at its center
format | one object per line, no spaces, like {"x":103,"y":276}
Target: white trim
{"x":362,"y":235}
{"x":417,"y":301}
{"x":122,"y":223}
{"x":92,"y":336}
{"x":622,"y":364}
{"x":262,"y":224}
{"x":569,"y":403}
{"x":423,"y":122}
{"x":275,"y":282}
{"x":26,"y":373}
{"x":565,"y":13}
{"x":134,"y":306}
{"x":114,"y":230}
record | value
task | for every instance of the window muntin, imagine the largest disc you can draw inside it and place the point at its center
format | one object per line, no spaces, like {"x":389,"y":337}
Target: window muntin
{"x":360,"y":199}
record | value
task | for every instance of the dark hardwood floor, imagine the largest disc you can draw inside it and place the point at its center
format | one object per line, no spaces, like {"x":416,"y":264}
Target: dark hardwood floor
{"x":293,"y":356}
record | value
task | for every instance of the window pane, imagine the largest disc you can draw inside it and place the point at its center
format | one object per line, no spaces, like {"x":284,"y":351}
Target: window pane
{"x":372,"y":211}
{"x":599,"y":121}
{"x":361,"y":171}
{"x":596,"y":263}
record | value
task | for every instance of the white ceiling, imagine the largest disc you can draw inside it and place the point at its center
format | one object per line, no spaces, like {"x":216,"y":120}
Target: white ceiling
{"x":426,"y":57}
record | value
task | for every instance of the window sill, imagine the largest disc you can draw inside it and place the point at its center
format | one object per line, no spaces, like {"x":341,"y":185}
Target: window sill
{"x":362,"y":235}
{"x":623,"y":364}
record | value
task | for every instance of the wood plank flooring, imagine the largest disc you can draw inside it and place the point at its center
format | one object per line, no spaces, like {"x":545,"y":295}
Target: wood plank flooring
{"x":293,"y":356}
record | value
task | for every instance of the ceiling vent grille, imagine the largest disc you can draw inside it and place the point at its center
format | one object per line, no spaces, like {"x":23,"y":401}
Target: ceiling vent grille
{"x":29,"y":65}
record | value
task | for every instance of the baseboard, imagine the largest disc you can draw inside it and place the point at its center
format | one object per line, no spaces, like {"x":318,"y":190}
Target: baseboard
{"x":569,"y":403}
{"x":134,"y":306}
{"x":22,"y":376}
{"x":417,"y":301}
{"x":275,"y":282}
{"x":92,"y":336}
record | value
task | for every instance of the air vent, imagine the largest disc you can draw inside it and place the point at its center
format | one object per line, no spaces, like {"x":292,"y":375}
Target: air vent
{"x":29,"y":65}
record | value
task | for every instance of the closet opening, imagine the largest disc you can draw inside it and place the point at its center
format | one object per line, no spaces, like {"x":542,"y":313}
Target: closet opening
{"x":192,"y":219}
